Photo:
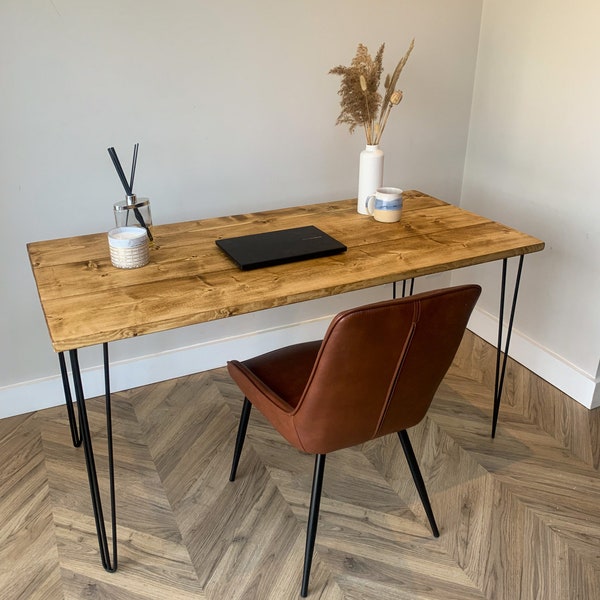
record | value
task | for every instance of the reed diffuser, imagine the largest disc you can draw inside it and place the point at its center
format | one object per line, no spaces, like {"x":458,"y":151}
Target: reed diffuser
{"x":132,"y":204}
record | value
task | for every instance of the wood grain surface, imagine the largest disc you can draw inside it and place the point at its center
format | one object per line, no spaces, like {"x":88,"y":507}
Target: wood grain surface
{"x":189,"y":280}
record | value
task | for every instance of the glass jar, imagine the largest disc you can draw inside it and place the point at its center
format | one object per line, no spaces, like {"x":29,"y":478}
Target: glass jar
{"x":134,"y":212}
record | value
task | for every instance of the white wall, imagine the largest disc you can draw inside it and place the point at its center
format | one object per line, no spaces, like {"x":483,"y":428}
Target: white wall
{"x":532,"y":162}
{"x":234,"y":111}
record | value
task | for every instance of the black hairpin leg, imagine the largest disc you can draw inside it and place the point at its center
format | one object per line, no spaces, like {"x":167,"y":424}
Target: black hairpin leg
{"x":75,"y":435}
{"x":83,"y":437}
{"x":241,"y":436}
{"x":313,"y":520}
{"x":413,"y":465}
{"x":501,"y":368}
{"x":410,"y":293}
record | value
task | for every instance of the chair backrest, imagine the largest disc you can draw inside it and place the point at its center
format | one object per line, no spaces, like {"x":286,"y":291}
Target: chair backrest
{"x":379,"y":367}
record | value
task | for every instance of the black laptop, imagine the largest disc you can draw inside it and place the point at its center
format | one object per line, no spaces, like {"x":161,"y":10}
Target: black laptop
{"x":278,"y":247}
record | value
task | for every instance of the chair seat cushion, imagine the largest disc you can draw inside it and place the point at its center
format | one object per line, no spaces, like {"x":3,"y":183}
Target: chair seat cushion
{"x":286,"y":370}
{"x":269,"y":378}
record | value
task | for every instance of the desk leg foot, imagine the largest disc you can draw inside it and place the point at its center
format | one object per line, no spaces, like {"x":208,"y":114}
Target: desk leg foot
{"x":83,"y":436}
{"x":501,"y":360}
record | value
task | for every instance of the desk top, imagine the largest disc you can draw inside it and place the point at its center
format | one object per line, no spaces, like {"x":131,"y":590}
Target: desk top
{"x":189,"y":280}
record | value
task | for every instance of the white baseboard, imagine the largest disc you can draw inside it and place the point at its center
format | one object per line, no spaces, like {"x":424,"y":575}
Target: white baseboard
{"x":44,"y":393}
{"x":582,"y":387}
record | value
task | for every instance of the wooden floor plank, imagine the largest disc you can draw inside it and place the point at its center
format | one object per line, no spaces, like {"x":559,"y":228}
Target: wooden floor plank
{"x":519,"y":515}
{"x":29,"y":559}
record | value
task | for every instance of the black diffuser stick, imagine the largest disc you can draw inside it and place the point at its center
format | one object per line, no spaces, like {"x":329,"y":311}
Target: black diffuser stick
{"x":113,"y":155}
{"x":131,"y":178}
{"x":140,"y":220}
{"x":133,"y":165}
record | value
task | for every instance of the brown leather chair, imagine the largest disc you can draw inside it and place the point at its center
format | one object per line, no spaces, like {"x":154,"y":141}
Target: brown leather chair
{"x":375,"y":373}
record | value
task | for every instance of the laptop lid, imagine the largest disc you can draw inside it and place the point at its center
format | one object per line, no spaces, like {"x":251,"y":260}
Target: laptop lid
{"x":277,"y":247}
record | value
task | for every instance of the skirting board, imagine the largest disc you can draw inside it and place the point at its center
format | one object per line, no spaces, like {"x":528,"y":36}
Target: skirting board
{"x":44,"y":393}
{"x":581,"y":386}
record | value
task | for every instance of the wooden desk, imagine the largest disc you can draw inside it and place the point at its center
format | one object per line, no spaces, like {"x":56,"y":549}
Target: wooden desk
{"x":87,"y":301}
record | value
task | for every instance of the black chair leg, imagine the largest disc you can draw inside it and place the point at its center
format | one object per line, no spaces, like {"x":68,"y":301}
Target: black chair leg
{"x":241,"y":436}
{"x":313,"y":518}
{"x":418,"y":479}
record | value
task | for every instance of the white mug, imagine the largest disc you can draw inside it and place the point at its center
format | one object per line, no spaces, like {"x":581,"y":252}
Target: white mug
{"x":385,"y":205}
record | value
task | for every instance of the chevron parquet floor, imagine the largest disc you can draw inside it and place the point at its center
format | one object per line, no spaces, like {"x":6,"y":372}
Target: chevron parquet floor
{"x":519,"y":515}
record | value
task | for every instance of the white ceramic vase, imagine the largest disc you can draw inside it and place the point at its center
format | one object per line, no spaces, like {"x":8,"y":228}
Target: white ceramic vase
{"x":370,"y":175}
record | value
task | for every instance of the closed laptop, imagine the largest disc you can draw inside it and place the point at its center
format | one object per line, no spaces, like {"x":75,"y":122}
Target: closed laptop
{"x":277,"y":247}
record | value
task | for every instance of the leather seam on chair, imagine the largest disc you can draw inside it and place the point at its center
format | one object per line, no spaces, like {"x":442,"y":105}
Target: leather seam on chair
{"x":402,"y":358}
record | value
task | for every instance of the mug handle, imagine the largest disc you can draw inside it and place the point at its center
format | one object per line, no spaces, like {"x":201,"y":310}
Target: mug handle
{"x":370,"y":204}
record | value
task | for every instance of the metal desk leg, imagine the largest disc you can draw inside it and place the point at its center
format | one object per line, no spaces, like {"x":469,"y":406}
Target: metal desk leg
{"x":84,"y":436}
{"x":75,"y":435}
{"x":500,"y":370}
{"x":412,"y":287}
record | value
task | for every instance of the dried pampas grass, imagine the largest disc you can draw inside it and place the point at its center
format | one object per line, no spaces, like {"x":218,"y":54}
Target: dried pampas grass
{"x":362,"y":104}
